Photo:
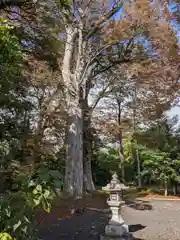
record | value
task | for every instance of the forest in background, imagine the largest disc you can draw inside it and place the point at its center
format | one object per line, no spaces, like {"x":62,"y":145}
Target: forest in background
{"x":78,"y":78}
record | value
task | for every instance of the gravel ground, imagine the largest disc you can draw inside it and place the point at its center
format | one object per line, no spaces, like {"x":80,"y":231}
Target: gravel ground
{"x":160,"y":223}
{"x":157,"y":220}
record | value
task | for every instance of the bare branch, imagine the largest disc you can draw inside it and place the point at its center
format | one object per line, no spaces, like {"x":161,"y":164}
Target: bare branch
{"x":103,"y":93}
{"x":107,"y":16}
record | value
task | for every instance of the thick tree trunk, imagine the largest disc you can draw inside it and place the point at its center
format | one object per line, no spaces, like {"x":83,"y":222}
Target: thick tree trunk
{"x":74,"y":159}
{"x":87,"y":151}
{"x":75,"y":75}
{"x":88,"y":180}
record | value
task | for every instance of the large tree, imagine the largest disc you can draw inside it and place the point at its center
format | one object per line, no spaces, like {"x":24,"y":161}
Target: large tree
{"x":92,"y":44}
{"x":84,"y":50}
{"x":92,"y":41}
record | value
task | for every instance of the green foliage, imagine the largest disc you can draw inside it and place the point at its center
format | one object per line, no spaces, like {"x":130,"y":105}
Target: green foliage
{"x":35,"y":188}
{"x":55,"y":162}
{"x":5,"y":236}
{"x":159,"y":154}
{"x":109,"y":159}
{"x":104,"y":163}
{"x":10,"y":61}
{"x":17,"y":210}
{"x":49,"y":178}
{"x":128,"y":145}
{"x":13,"y":92}
{"x":159,"y":165}
{"x":159,"y":151}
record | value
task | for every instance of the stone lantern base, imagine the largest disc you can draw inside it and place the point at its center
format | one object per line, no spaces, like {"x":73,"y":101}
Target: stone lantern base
{"x":126,"y":236}
{"x":116,"y":232}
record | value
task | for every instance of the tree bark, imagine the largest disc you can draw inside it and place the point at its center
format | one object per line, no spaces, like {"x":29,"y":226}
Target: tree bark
{"x":88,"y":180}
{"x":121,"y":151}
{"x":165,"y":187}
{"x":74,"y":151}
{"x":74,"y":159}
{"x":87,"y":150}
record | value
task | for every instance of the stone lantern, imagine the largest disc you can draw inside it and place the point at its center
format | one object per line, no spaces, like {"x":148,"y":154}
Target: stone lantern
{"x":116,"y":228}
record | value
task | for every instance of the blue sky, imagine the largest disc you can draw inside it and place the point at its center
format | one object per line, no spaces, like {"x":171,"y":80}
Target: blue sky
{"x":173,"y":8}
{"x":174,"y":111}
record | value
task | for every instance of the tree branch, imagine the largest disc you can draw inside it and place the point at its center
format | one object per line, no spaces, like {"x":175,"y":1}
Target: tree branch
{"x":102,"y":93}
{"x":107,"y":16}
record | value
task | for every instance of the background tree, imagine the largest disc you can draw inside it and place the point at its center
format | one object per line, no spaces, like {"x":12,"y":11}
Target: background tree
{"x":160,"y":141}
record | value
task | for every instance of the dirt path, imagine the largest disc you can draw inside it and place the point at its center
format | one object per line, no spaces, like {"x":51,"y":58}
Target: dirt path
{"x":88,"y":225}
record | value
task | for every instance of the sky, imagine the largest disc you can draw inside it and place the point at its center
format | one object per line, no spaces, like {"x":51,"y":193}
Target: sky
{"x":173,"y":112}
{"x":172,"y":7}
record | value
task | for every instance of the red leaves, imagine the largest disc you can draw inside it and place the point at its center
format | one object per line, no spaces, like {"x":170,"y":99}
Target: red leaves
{"x":150,"y":21}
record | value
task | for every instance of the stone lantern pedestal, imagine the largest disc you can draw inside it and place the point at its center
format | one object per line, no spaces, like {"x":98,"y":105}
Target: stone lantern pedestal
{"x":116,"y":228}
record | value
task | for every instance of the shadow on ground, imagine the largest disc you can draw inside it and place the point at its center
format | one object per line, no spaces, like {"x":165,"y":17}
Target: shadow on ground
{"x":88,"y":225}
{"x":139,"y":205}
{"x":136,"y":227}
{"x":138,"y":239}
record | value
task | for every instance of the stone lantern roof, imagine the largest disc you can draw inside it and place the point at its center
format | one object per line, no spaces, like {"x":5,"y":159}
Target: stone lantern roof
{"x":114,"y":184}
